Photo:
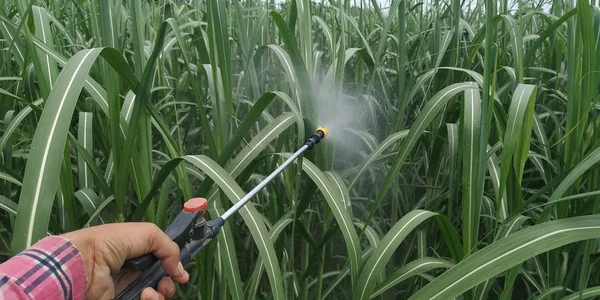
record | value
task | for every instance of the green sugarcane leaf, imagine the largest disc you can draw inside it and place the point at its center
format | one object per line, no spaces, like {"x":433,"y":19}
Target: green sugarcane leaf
{"x":586,"y":163}
{"x":43,"y":164}
{"x":91,"y":164}
{"x":505,"y":229}
{"x":8,"y":32}
{"x":8,"y":205}
{"x":508,"y":252}
{"x":138,"y":36}
{"x":340,"y":185}
{"x":228,"y":254}
{"x":376,"y":263}
{"x":259,"y":143}
{"x":256,"y":146}
{"x":412,"y":268}
{"x":15,"y":122}
{"x":584,"y":294}
{"x":345,"y":271}
{"x":523,"y":95}
{"x":250,"y":118}
{"x":195,"y":87}
{"x":453,"y":163}
{"x":523,"y":142}
{"x":99,"y":210}
{"x":259,"y":267}
{"x":547,"y":32}
{"x":11,"y":95}
{"x":553,"y":290}
{"x":249,"y":214}
{"x":471,"y":196}
{"x":371,"y":234}
{"x":220,"y":59}
{"x":91,"y":86}
{"x":49,"y":69}
{"x":143,"y":93}
{"x":85,"y":137}
{"x":516,"y":38}
{"x":304,"y":86}
{"x":388,"y":142}
{"x":9,"y":178}
{"x":431,"y":109}
{"x":90,"y":202}
{"x":326,"y":30}
{"x":335,"y":202}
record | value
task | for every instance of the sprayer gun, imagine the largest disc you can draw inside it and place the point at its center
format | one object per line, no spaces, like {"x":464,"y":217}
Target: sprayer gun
{"x":192,"y":232}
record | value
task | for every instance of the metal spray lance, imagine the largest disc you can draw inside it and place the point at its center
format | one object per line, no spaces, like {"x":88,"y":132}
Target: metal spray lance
{"x":192,"y":232}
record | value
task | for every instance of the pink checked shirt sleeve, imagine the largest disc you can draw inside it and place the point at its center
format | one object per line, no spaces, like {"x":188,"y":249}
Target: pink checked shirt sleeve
{"x":50,"y":269}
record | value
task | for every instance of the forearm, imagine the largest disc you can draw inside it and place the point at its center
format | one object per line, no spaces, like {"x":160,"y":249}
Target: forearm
{"x":51,"y":269}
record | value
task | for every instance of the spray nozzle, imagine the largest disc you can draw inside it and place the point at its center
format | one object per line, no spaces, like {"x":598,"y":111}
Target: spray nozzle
{"x":324,"y":131}
{"x":314,"y":139}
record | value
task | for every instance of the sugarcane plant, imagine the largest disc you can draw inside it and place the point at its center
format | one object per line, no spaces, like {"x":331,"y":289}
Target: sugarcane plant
{"x":462,"y":160}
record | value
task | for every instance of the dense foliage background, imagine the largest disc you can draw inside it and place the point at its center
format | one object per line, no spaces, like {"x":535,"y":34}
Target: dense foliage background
{"x":462,"y":160}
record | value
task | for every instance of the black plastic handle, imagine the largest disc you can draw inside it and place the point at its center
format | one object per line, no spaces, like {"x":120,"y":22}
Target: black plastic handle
{"x":180,"y":231}
{"x":155,"y":273}
{"x":150,"y":278}
{"x":140,"y":263}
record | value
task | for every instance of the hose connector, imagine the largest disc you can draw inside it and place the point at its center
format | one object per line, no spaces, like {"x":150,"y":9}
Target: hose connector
{"x":314,"y":139}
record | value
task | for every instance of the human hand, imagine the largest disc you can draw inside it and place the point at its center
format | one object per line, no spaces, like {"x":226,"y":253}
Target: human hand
{"x":105,"y":248}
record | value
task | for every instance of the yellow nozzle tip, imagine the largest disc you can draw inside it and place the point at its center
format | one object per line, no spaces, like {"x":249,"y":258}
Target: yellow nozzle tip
{"x":325,"y":131}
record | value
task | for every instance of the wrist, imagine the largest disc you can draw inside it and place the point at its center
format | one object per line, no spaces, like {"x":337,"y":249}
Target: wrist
{"x":62,"y":260}
{"x":84,"y":244}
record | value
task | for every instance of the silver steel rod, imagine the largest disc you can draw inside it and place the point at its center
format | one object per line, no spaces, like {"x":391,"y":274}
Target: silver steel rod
{"x":262,"y":184}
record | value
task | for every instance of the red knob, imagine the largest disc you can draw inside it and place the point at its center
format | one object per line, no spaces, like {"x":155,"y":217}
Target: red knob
{"x":195,"y":204}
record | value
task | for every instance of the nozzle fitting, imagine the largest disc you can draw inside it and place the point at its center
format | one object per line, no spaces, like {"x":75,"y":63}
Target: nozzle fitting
{"x":324,"y":130}
{"x":314,"y":139}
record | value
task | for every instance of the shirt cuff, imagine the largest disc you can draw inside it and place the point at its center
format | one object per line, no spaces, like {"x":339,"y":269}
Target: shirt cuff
{"x":51,"y":269}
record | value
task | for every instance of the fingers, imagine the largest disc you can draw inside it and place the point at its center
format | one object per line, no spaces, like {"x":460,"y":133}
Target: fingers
{"x":166,"y":287}
{"x":168,"y":252}
{"x":145,"y":238}
{"x":183,"y":278}
{"x":151,"y":294}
